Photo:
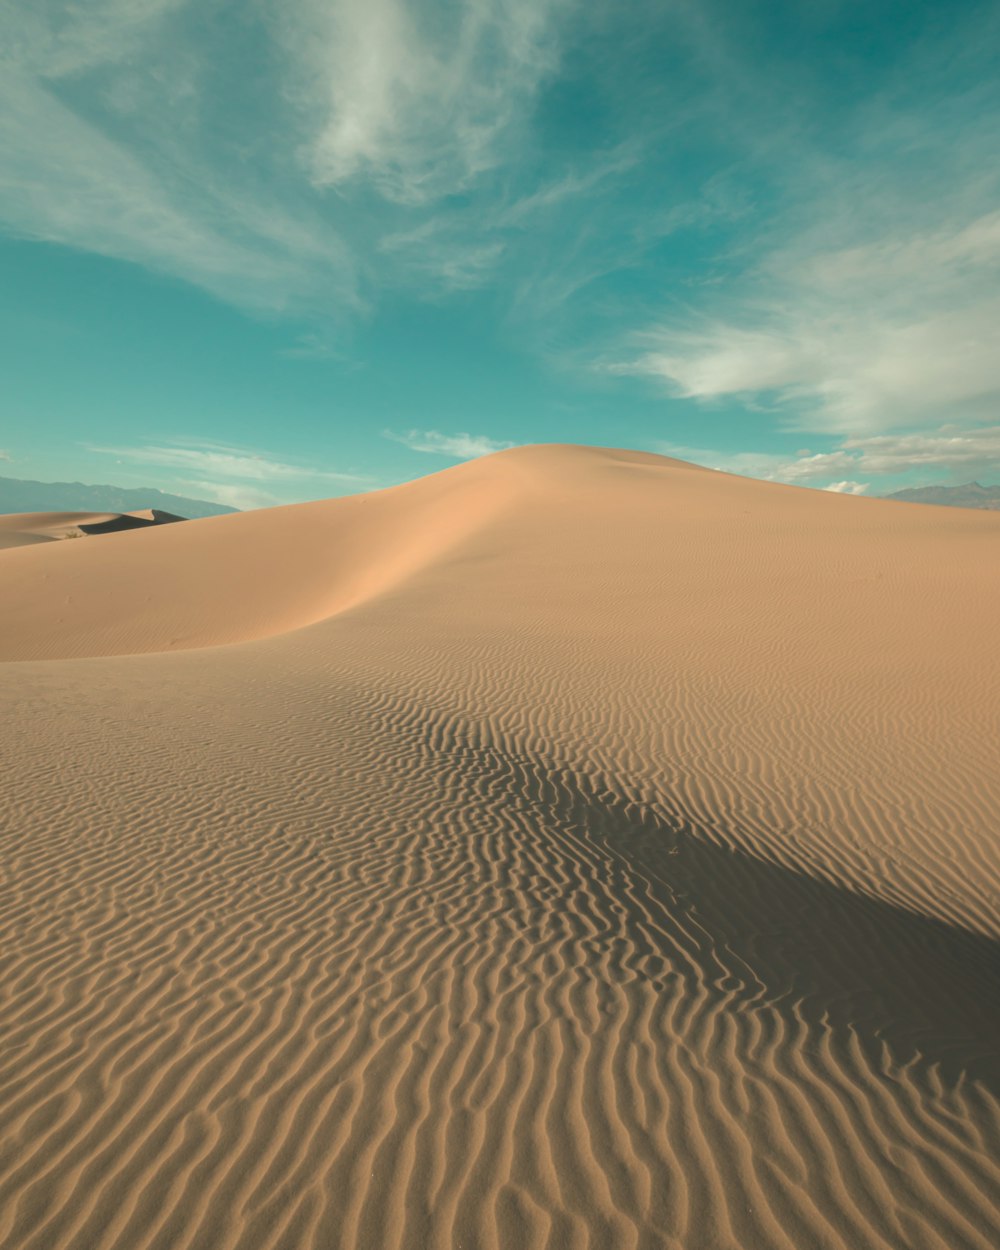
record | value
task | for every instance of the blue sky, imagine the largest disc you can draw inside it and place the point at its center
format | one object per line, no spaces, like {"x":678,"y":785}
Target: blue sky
{"x":283,"y":249}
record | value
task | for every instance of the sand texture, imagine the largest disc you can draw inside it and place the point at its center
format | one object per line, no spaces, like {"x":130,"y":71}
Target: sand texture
{"x":575,"y":848}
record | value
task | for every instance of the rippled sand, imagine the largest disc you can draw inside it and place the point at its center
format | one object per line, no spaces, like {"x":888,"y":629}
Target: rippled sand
{"x":576,"y":848}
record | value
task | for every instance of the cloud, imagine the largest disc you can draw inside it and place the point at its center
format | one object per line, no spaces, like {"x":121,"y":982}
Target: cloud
{"x":848,"y":488}
{"x":217,"y":460}
{"x":456,"y":446}
{"x":419,"y":103}
{"x":947,"y":454}
{"x":838,"y":265}
{"x":437,"y":250}
{"x":853,"y":340}
{"x":4,"y":455}
{"x":949,"y":450}
{"x":104,"y":146}
{"x":809,"y":469}
{"x":863,"y":295}
{"x":124,"y":132}
{"x":802,"y":470}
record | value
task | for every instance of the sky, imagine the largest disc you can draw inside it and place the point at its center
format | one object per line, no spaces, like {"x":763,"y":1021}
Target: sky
{"x":257,"y":251}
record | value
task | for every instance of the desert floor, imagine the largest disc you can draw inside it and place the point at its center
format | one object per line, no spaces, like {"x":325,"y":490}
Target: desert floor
{"x":575,"y":848}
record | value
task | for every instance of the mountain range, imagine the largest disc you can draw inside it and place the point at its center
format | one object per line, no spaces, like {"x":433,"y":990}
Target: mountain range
{"x":22,"y":495}
{"x":971,"y":495}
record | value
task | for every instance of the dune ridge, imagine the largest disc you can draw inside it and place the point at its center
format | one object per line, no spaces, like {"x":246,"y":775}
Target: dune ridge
{"x":598,"y":852}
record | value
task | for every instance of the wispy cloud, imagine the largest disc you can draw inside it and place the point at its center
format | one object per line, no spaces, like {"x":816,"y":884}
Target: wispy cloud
{"x":440,"y":255}
{"x":91,"y":158}
{"x":866,"y":298}
{"x":122,"y":133}
{"x":856,"y":339}
{"x":455,"y":446}
{"x":238,"y":476}
{"x":418,"y":103}
{"x":574,"y":185}
{"x":222,"y":461}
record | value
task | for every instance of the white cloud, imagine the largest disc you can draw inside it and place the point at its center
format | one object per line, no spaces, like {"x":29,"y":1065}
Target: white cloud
{"x":809,"y":469}
{"x":802,"y":470}
{"x":855,"y":340}
{"x":848,"y":488}
{"x":951,"y":450}
{"x":947,"y":454}
{"x":217,"y":460}
{"x":844,"y":373}
{"x":419,"y":107}
{"x":456,"y":446}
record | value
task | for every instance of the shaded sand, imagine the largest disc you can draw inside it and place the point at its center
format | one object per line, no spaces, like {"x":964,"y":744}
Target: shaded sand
{"x":579,"y":849}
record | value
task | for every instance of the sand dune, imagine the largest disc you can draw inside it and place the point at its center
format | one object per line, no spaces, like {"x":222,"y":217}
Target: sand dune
{"x":575,"y":848}
{"x":28,"y":529}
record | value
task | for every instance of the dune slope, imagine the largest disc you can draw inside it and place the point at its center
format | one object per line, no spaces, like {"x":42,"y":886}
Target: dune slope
{"x":575,"y":848}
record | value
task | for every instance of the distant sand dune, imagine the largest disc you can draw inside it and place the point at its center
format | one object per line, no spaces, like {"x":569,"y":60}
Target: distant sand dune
{"x":27,"y":529}
{"x":581,"y":849}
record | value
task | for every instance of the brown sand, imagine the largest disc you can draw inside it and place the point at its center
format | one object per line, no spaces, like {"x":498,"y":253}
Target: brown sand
{"x":575,"y":848}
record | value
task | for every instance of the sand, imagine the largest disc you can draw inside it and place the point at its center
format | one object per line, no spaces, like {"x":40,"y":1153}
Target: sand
{"x":576,"y":848}
{"x":28,"y":529}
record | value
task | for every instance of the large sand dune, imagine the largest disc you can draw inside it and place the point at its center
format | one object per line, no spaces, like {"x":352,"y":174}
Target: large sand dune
{"x":576,"y":848}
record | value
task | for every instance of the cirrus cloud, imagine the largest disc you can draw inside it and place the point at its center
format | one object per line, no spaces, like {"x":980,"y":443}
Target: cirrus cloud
{"x":420,"y":103}
{"x":238,"y":476}
{"x":223,"y":461}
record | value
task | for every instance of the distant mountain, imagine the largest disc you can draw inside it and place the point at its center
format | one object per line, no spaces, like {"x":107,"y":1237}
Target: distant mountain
{"x":17,"y":495}
{"x":971,"y":495}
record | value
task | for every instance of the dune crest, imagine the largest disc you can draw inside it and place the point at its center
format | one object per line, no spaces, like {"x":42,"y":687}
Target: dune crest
{"x":578,"y":849}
